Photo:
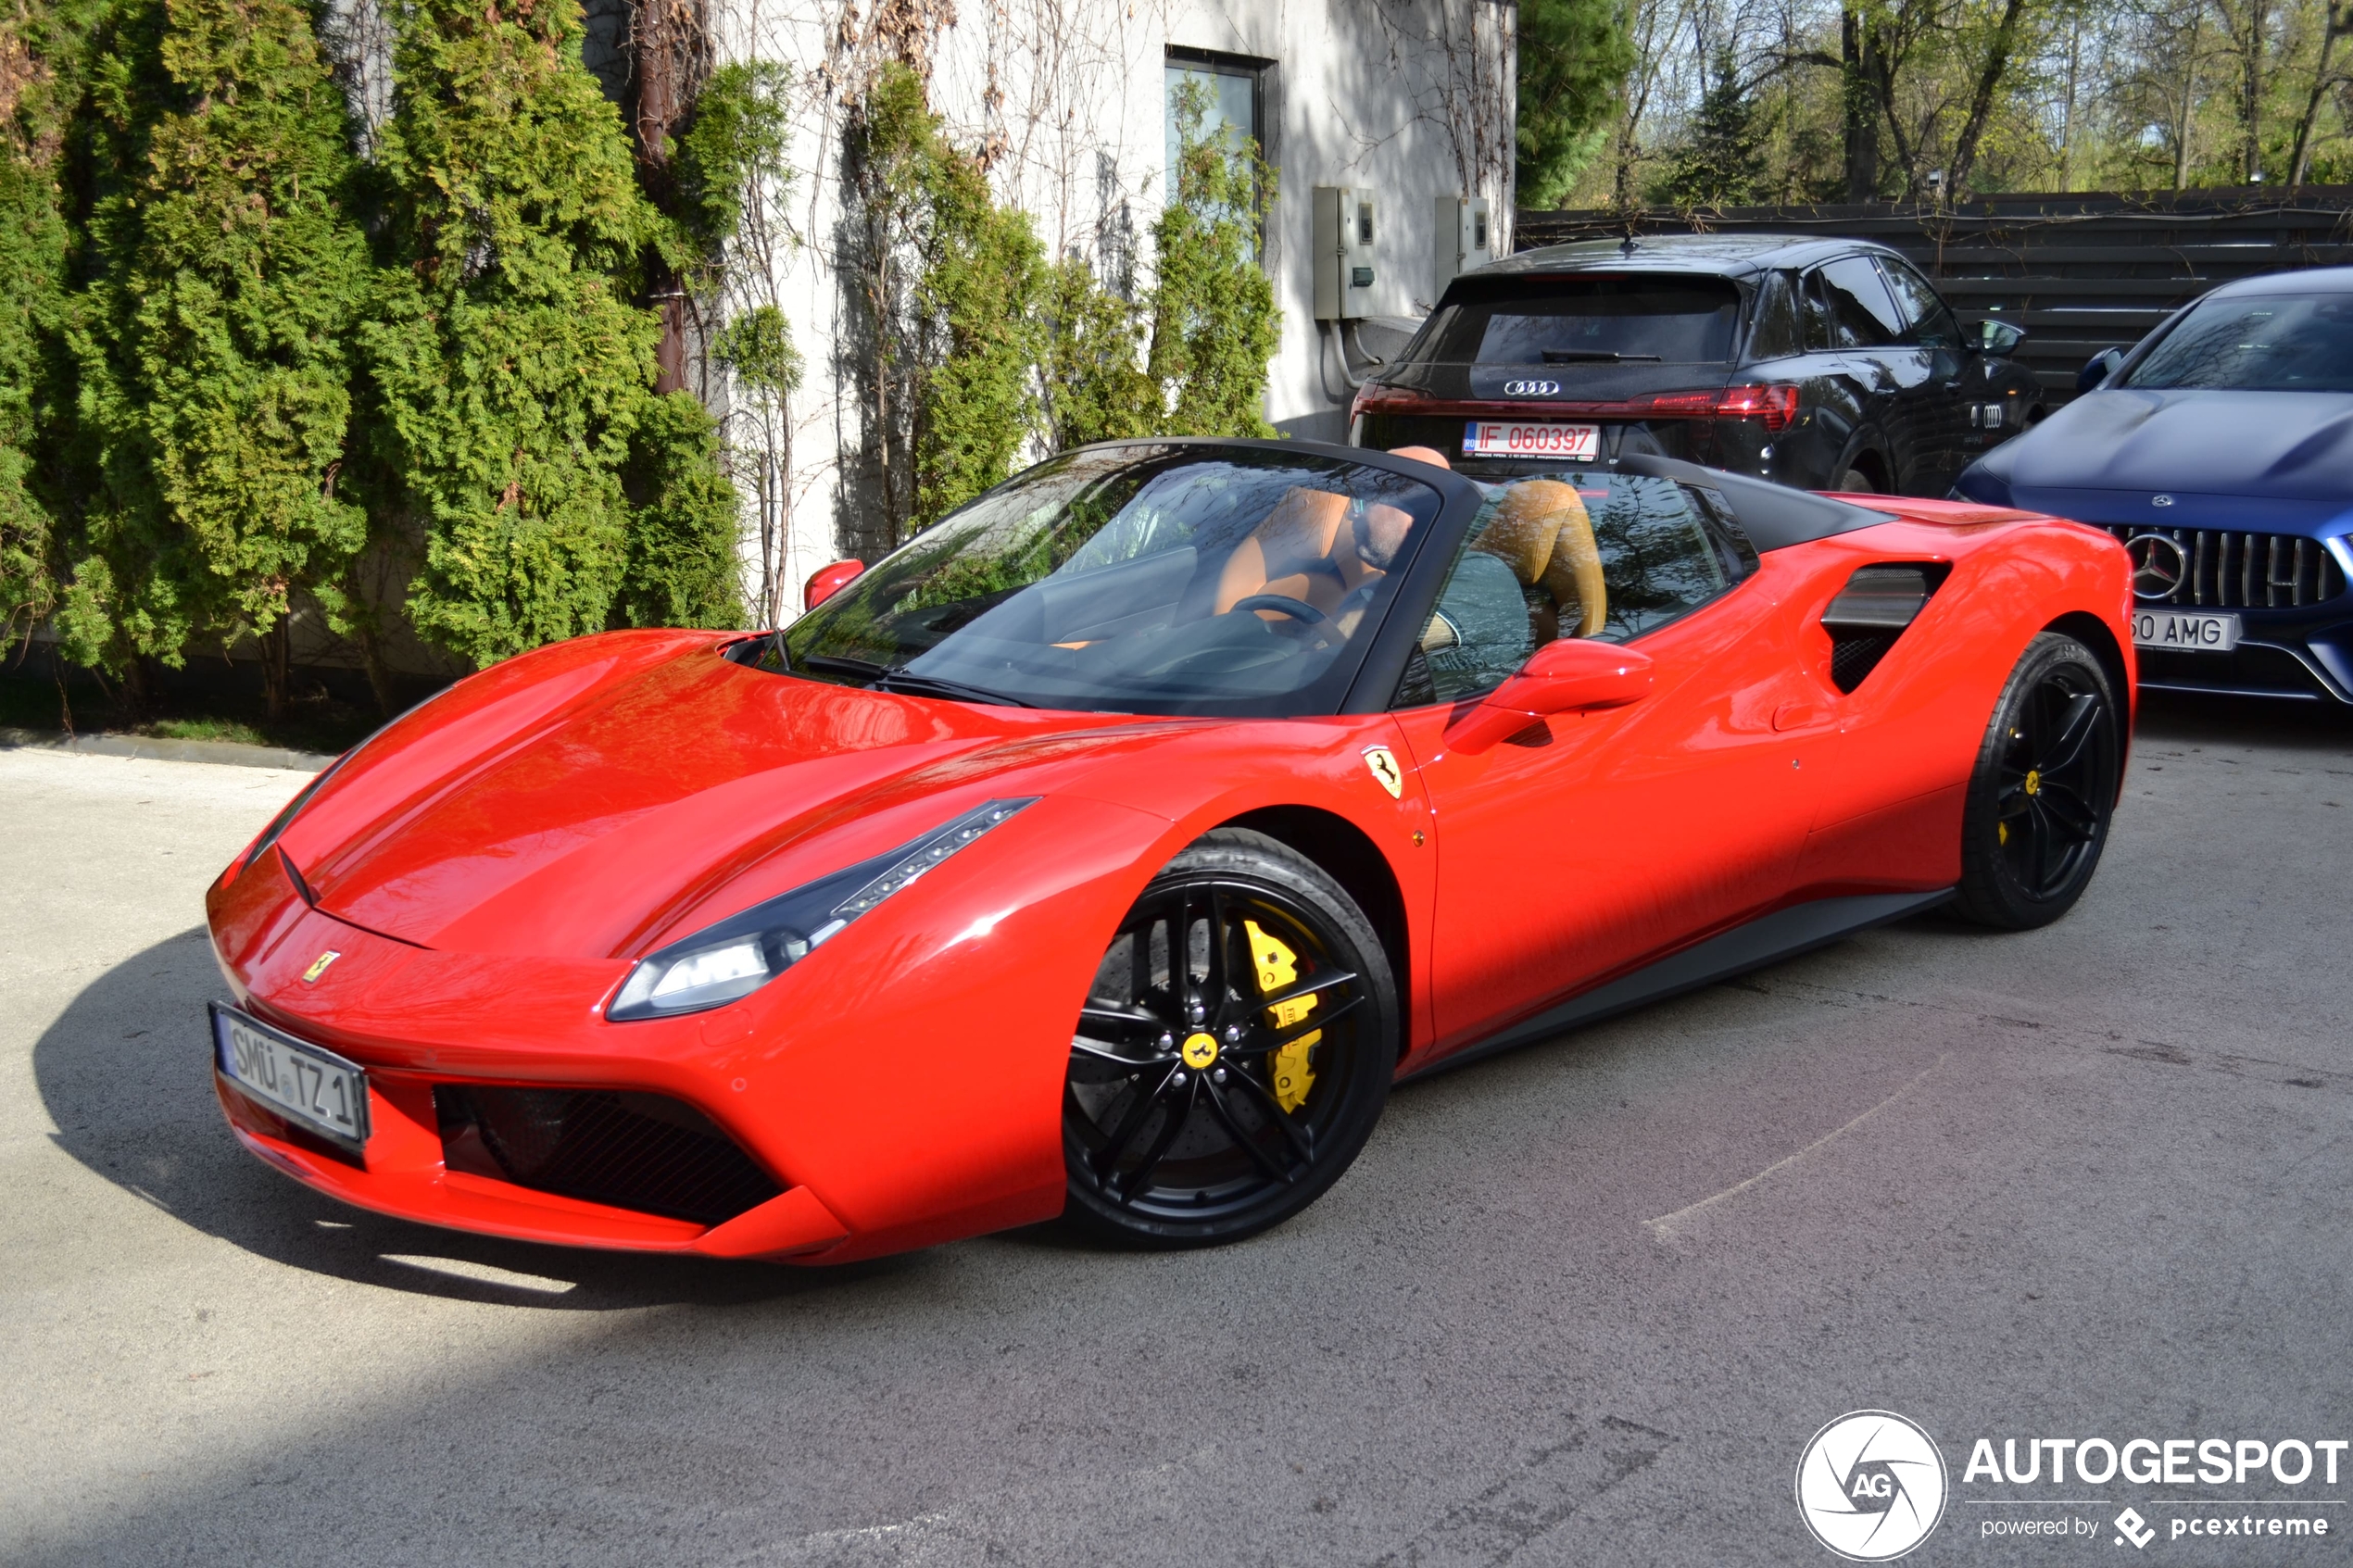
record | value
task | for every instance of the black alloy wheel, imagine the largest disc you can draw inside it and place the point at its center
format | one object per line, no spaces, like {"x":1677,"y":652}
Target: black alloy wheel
{"x":1234,"y":1052}
{"x":2043,"y":790}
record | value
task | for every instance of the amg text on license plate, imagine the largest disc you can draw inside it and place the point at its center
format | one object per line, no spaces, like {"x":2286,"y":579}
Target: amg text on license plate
{"x":2174,"y":630}
{"x":1521,"y":438}
{"x":316,"y":1088}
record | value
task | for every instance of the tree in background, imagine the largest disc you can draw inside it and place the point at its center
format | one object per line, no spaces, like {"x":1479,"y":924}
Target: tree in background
{"x":1214,"y":325}
{"x":1574,"y":56}
{"x":214,"y":340}
{"x":1721,"y":162}
{"x":514,"y":373}
{"x":1094,"y":383}
{"x":952,"y":282}
{"x":41,"y":56}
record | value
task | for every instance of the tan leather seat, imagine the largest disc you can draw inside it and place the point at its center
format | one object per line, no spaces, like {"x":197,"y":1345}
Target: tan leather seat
{"x":1294,"y":553}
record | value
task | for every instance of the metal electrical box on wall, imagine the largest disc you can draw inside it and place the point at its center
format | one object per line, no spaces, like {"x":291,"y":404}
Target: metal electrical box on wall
{"x":1465,"y":239}
{"x":1343,"y":252}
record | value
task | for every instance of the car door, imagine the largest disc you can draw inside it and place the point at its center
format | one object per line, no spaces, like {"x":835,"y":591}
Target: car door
{"x":1871,"y":334}
{"x":1839,"y":395}
{"x":1589,"y":843}
{"x":1942,"y":423}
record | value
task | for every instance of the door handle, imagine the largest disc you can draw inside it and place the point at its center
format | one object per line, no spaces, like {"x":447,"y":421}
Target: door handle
{"x":1797,"y":715}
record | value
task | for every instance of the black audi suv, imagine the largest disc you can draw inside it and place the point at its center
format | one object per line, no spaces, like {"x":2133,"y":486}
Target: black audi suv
{"x":1826,"y":364}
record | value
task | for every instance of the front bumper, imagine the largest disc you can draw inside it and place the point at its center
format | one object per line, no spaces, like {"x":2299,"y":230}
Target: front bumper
{"x":900,"y":1089}
{"x":2290,"y":595}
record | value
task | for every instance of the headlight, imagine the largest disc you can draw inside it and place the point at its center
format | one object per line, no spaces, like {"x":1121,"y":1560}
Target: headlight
{"x":744,"y":952}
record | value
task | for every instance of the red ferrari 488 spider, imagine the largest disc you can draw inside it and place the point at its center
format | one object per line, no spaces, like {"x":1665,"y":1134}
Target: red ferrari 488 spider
{"x":1111,"y":848}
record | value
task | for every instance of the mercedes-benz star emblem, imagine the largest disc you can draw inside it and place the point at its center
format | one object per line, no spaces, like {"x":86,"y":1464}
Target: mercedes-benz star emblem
{"x":1530,"y":388}
{"x":2157,"y":566}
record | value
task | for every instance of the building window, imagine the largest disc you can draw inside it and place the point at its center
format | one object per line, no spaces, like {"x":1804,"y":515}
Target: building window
{"x":1241,"y":92}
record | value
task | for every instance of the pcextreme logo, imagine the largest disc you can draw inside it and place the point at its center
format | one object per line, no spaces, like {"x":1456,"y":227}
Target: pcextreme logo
{"x":1871,"y":1485}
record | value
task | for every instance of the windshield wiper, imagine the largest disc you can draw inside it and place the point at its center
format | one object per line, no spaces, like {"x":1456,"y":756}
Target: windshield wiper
{"x":899,"y":679}
{"x":1582,"y":356}
{"x":841,"y":666}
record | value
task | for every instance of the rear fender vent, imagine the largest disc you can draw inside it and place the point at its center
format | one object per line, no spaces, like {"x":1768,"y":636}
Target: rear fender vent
{"x":648,"y":1152}
{"x":1872,"y":610}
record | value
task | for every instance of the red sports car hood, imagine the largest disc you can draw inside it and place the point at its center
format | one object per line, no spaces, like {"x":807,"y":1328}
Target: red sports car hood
{"x":579,"y":800}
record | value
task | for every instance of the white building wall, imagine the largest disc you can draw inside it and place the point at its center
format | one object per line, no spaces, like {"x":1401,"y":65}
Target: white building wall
{"x":1412,"y":98}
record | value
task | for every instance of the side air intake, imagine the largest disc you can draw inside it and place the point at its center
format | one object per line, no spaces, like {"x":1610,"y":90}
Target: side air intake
{"x":1871,"y":611}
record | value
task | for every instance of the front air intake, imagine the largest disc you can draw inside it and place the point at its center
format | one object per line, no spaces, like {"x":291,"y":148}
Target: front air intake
{"x":648,"y":1152}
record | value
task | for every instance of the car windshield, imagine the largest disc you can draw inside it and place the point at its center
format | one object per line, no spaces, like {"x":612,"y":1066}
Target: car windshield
{"x":1581,"y":321}
{"x":1138,"y":579}
{"x":2264,"y":343}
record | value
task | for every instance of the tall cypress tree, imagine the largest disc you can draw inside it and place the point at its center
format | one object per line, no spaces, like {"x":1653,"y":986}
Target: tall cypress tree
{"x":41,"y":58}
{"x":515,"y":375}
{"x":213,"y":339}
{"x":1573,"y":58}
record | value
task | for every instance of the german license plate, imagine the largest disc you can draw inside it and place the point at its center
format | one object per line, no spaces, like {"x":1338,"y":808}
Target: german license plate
{"x":1516,"y":438}
{"x":2177,"y":632}
{"x":315,"y":1088}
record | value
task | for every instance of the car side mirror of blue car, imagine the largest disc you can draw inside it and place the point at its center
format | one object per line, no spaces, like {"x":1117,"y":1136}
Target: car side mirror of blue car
{"x":2096,"y":372}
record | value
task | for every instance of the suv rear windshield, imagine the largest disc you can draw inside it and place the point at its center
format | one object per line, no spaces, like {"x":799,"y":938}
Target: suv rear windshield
{"x":1585,"y":320}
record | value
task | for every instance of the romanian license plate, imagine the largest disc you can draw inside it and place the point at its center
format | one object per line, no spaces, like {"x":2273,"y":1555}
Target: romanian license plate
{"x":2172,"y":629}
{"x":314,"y":1088}
{"x":1518,"y":438}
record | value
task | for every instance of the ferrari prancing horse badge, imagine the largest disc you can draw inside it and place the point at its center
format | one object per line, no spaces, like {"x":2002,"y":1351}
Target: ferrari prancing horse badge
{"x":1384,"y":766}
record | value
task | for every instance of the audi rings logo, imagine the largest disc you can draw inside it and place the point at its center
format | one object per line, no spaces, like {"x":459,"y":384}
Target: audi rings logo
{"x":1871,"y":1485}
{"x":2158,"y":565}
{"x":1530,"y":388}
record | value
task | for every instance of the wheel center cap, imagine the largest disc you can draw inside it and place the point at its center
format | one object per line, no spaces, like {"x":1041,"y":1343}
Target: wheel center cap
{"x":1198,"y":1051}
{"x":2034,"y":782}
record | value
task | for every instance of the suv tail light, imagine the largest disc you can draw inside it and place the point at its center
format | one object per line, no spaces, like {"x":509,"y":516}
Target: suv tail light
{"x":1776,"y":403}
{"x":1374,"y":398}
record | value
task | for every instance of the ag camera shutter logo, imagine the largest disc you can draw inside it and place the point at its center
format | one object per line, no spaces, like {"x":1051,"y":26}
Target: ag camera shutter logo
{"x":1871,"y":1485}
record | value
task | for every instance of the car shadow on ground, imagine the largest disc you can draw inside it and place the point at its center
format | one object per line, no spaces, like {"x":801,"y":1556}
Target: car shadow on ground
{"x":2188,"y":718}
{"x":125,"y":1072}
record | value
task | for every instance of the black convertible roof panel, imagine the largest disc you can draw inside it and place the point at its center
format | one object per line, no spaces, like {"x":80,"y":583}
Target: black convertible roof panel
{"x":1773,"y":516}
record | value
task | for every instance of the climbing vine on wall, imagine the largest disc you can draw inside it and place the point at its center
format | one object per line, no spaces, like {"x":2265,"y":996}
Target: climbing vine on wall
{"x":952,"y":282}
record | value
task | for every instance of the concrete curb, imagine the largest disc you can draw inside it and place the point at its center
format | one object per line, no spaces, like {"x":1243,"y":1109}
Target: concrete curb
{"x":231,"y":752}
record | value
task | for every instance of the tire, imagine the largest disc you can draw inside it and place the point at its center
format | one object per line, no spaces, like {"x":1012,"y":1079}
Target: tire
{"x":1854,"y":481}
{"x":1192,"y":1115}
{"x":2043,"y":790}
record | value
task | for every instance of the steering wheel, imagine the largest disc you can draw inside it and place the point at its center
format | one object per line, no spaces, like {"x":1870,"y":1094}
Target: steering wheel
{"x":1298,"y":609}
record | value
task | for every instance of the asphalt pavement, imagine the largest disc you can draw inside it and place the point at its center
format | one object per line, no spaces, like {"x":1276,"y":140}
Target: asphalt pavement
{"x":1583,"y":1303}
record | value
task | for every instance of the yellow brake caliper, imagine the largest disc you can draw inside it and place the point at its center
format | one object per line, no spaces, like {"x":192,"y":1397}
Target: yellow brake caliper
{"x":1278,"y":969}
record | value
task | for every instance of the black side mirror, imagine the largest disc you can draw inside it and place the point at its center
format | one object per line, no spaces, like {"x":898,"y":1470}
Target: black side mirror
{"x":1994,"y":337}
{"x":2096,"y":372}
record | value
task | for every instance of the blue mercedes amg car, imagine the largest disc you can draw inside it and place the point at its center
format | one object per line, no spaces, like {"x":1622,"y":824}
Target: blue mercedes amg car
{"x":2220,"y":450}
